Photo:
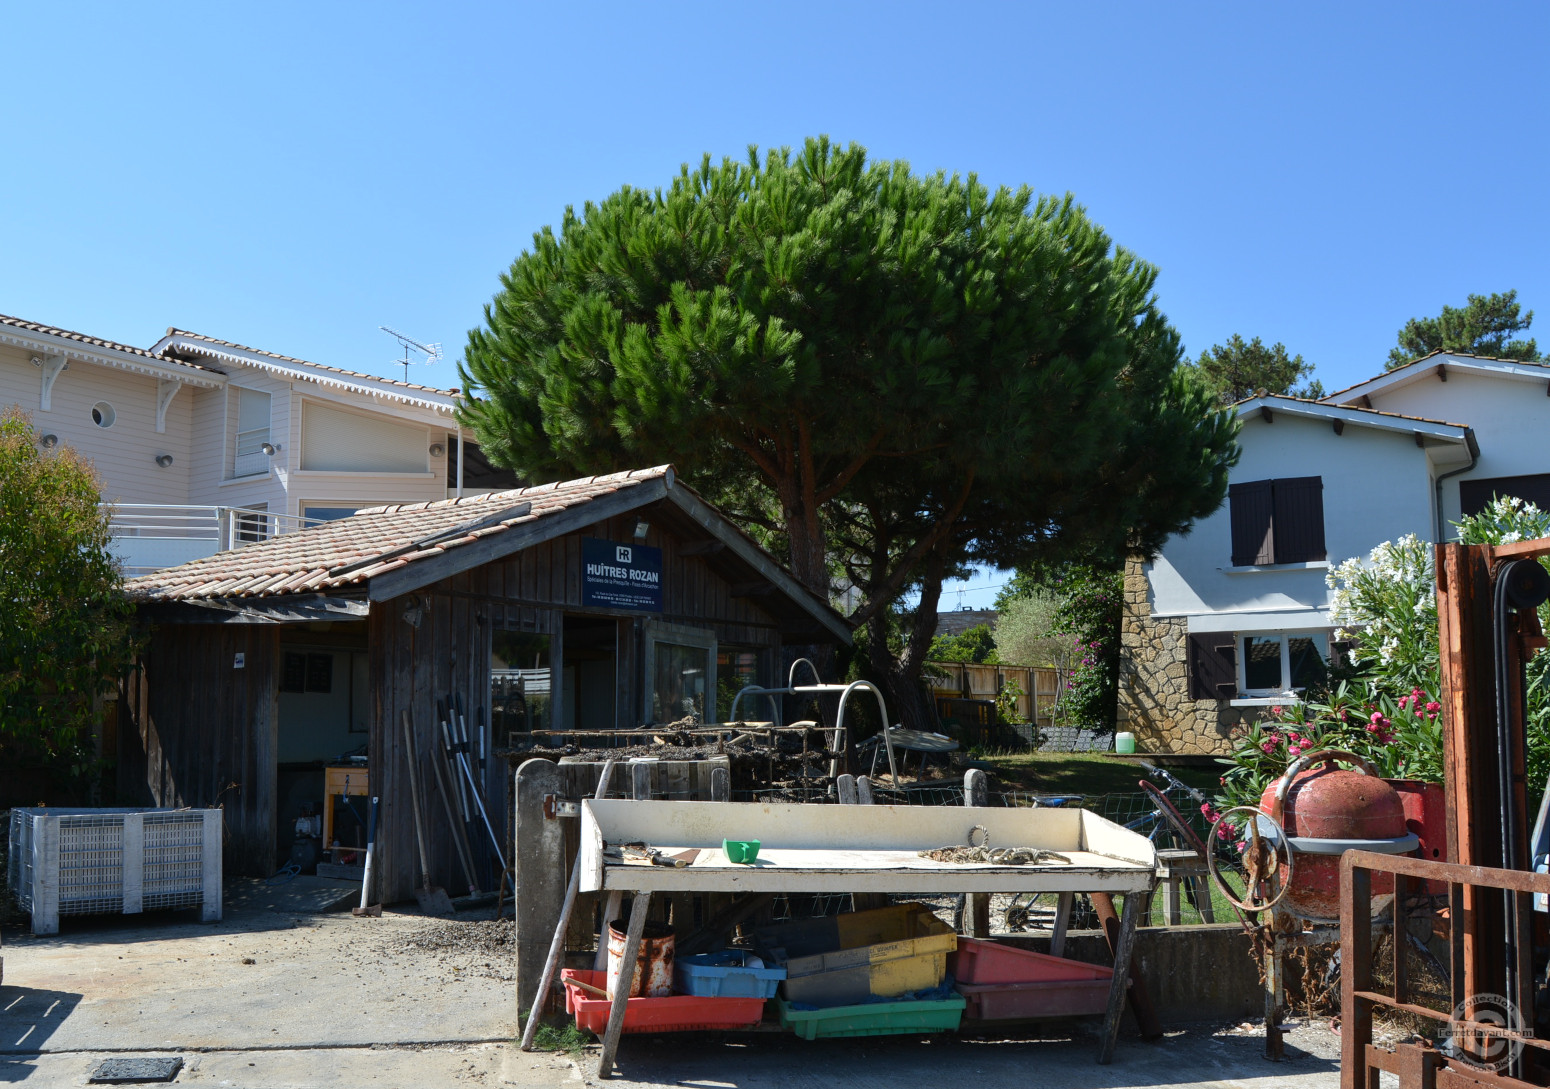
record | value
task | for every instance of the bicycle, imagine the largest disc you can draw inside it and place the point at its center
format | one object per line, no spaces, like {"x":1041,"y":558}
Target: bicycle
{"x":1164,"y":826}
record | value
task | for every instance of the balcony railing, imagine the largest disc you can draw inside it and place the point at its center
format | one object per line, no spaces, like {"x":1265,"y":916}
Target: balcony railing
{"x":148,"y":537}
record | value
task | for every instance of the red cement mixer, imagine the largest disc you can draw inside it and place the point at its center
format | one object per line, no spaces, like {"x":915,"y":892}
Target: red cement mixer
{"x":1306,"y":820}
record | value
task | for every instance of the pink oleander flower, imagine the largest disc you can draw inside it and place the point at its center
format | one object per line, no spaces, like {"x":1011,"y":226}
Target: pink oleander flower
{"x":1377,"y":716}
{"x":1269,"y":746}
{"x":1404,"y":701}
{"x":1275,"y":710}
{"x":1434,"y":706}
{"x":1295,"y":751}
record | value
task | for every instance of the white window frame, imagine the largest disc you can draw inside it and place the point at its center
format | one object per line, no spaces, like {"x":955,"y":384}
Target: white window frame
{"x":252,"y":462}
{"x":1286,"y":691}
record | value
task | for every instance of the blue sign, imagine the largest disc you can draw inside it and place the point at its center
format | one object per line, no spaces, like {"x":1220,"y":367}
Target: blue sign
{"x":621,"y":576}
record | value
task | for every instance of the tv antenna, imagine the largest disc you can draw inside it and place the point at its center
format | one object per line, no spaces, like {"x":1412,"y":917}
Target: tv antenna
{"x":432,"y":352}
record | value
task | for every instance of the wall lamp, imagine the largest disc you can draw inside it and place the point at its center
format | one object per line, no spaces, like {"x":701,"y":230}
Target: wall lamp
{"x":269,"y":448}
{"x":642,"y":527}
{"x":164,"y":460}
{"x":437,"y":449}
{"x":49,"y":441}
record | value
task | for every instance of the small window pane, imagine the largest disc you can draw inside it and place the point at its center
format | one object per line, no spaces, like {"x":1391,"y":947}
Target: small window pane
{"x":736,"y":669}
{"x":1307,"y":661}
{"x":1262,"y":663}
{"x":519,"y":683}
{"x":678,"y":690}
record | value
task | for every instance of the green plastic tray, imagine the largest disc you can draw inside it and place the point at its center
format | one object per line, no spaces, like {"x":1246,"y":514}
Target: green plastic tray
{"x":874,"y":1018}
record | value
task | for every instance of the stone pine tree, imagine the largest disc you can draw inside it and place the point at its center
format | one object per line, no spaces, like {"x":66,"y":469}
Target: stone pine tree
{"x":65,"y":636}
{"x":892,"y":374}
{"x":1235,"y":370}
{"x":1484,"y":325}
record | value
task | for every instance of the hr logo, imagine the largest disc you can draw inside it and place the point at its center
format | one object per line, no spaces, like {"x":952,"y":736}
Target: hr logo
{"x":623,"y":554}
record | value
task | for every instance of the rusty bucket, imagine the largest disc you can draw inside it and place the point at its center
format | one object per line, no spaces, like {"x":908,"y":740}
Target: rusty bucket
{"x":653,"y":961}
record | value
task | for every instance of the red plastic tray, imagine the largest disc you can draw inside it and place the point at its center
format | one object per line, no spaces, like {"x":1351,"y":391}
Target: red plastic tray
{"x":1025,"y":1001}
{"x":980,"y":962}
{"x":676,"y":1013}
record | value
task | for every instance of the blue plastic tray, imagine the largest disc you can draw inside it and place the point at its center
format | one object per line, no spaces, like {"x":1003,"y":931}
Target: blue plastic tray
{"x":723,"y":975}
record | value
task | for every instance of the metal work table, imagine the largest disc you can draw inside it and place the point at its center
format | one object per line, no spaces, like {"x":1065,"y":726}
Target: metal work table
{"x":822,"y":848}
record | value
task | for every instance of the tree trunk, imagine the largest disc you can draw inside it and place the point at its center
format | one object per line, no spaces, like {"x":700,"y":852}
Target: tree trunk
{"x":908,"y":702}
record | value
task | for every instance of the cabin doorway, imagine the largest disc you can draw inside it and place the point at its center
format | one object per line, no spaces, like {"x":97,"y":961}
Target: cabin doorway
{"x":590,"y":672}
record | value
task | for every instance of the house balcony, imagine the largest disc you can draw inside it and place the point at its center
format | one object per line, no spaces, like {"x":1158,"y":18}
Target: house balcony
{"x":147,"y":537}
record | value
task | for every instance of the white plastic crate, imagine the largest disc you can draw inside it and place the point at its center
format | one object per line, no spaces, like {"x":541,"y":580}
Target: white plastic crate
{"x":114,"y":861}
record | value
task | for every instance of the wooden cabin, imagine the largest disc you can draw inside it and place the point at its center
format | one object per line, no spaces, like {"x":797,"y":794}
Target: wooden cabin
{"x":599,"y":603}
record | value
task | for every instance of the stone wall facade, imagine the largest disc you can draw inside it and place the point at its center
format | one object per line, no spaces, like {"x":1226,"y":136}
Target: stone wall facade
{"x":1154,"y":699}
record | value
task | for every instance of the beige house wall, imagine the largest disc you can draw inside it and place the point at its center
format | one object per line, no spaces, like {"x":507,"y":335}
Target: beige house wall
{"x":1154,"y":699}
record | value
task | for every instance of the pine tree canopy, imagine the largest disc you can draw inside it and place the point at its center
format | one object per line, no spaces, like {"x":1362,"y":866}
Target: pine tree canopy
{"x":896,"y":372}
{"x":1483,"y":326}
{"x":1237,"y":369}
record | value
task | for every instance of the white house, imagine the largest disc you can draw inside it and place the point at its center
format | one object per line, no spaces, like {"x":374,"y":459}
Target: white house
{"x":1234,"y":616}
{"x":203,"y":444}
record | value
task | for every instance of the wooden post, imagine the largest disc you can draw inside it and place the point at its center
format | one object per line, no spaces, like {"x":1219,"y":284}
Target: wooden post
{"x":557,"y":945}
{"x":621,"y":996}
{"x":720,"y":785}
{"x":1466,"y":658}
{"x":640,"y":780}
{"x":1057,"y":938}
{"x":1113,"y":929}
{"x":864,"y":790}
{"x":1117,"y":986}
{"x":846,"y":786}
{"x":976,"y":792}
{"x":540,"y":877}
{"x":1275,"y":985}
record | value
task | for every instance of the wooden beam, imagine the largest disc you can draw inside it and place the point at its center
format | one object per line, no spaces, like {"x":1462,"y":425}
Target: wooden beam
{"x":1442,"y":371}
{"x":701,"y":548}
{"x":1365,"y":401}
{"x":1266,"y":415}
{"x":757,"y":588}
{"x":1339,"y":426}
{"x":1420,"y":440}
{"x":1522,"y":550}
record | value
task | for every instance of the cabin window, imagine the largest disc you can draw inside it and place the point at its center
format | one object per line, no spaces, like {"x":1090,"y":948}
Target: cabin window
{"x":102,"y":414}
{"x":252,"y":433}
{"x":329,"y":511}
{"x":680,"y":673}
{"x":736,"y":669}
{"x":252,"y":523}
{"x":1277,"y":521}
{"x":519,"y":684}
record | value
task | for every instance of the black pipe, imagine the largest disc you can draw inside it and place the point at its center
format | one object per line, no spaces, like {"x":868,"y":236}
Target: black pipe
{"x":1521,"y":585}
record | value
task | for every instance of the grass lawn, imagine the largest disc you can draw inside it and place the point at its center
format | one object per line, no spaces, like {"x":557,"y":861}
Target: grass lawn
{"x":1087,"y":773}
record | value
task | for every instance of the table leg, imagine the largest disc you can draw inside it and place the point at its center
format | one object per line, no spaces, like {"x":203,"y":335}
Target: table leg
{"x":1121,"y":980}
{"x":1202,"y":887}
{"x":638,"y":909}
{"x":1057,"y":937}
{"x":610,"y":913}
{"x":1171,"y":900}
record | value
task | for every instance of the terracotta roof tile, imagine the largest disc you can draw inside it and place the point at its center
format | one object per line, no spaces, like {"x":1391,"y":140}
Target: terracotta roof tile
{"x":173,"y":331}
{"x":94,"y":342}
{"x":362,"y":546}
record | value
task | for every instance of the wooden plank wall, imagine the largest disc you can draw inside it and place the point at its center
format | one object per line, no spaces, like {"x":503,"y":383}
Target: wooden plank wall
{"x":196,"y":731}
{"x":411,"y":667}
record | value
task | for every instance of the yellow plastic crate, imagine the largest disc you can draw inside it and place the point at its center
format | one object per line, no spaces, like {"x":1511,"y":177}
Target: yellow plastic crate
{"x":863,"y":954}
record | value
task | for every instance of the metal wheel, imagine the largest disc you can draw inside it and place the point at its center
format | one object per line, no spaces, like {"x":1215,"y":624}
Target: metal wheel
{"x":1263,"y":873}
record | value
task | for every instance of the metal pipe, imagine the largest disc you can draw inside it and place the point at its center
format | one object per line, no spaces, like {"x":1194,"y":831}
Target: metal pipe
{"x":882,"y":708}
{"x":460,"y":461}
{"x":1474,"y":459}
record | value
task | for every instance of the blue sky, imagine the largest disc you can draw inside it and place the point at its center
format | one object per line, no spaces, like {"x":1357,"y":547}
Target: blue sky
{"x":293,"y":176}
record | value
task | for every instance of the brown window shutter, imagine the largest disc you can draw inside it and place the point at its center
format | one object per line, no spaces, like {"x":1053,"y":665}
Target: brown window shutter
{"x":1299,"y":519}
{"x":1476,"y":495}
{"x":1213,"y":665}
{"x":1253,"y":539}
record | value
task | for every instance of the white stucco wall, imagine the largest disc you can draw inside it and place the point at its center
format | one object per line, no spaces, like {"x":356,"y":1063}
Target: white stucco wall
{"x":1510,"y":415}
{"x":124,"y":454}
{"x":1377,"y":486}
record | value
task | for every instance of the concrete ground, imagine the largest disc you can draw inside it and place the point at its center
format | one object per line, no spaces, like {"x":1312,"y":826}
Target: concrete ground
{"x":275,"y":997}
